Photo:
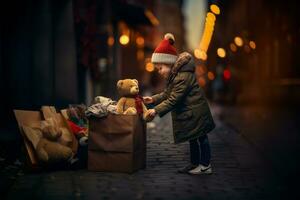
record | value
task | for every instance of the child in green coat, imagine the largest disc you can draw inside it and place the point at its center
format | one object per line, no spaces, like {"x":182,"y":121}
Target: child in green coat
{"x":191,"y":116}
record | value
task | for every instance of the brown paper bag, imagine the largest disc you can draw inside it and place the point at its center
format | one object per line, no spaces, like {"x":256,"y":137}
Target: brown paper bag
{"x":67,"y":138}
{"x":32,"y":119}
{"x":117,"y":143}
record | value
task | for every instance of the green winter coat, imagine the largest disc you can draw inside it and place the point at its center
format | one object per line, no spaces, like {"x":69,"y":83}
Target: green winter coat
{"x":183,"y":96}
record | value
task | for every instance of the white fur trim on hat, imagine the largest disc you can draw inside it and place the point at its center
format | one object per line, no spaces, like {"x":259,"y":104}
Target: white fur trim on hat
{"x":163,"y":58}
{"x":170,"y":36}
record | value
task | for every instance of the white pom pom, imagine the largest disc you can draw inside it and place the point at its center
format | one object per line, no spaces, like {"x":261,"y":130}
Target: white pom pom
{"x":170,"y":37}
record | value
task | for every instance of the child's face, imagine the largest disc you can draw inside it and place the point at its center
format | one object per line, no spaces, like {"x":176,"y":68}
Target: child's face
{"x":163,"y":69}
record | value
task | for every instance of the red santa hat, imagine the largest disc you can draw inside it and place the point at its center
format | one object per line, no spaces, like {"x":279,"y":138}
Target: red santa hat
{"x":165,"y":52}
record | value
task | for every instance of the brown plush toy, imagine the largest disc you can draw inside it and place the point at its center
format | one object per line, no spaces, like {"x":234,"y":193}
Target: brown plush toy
{"x":130,"y":102}
{"x":48,"y":151}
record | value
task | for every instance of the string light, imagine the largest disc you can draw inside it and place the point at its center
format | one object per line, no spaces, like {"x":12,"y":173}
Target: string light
{"x":124,"y":39}
{"x":252,"y":45}
{"x":238,"y":41}
{"x":221,"y":52}
{"x":215,"y":9}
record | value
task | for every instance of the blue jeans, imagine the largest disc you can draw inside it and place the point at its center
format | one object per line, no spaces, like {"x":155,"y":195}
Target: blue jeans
{"x":200,"y":151}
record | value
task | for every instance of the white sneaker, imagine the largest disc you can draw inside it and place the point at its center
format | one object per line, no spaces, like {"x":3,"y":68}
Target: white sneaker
{"x":201,"y":169}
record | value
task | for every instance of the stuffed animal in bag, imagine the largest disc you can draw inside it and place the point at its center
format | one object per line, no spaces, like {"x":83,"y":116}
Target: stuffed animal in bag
{"x":48,"y":150}
{"x":54,"y":132}
{"x":130,"y":102}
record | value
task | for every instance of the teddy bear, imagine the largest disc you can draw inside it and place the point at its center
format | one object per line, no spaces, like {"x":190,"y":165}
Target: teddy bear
{"x":130,"y":102}
{"x":48,"y":150}
{"x":52,"y":131}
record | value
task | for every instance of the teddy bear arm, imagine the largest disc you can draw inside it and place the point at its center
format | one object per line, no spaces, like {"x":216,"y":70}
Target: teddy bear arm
{"x":120,"y":105}
{"x":145,"y":110}
{"x":42,"y":155}
{"x":52,"y":152}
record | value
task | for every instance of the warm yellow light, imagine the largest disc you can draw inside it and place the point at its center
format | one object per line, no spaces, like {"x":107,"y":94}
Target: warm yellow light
{"x":238,"y":41}
{"x":221,"y":52}
{"x":205,"y":40}
{"x":151,"y":17}
{"x":110,"y":41}
{"x":203,"y":55}
{"x":252,"y":44}
{"x":210,"y":76}
{"x":197,"y":53}
{"x":206,"y":37}
{"x":150,"y":67}
{"x":140,"y":41}
{"x":209,"y":24}
{"x":211,"y":16}
{"x":233,"y":48}
{"x":124,"y":39}
{"x":215,"y":9}
{"x":200,"y":54}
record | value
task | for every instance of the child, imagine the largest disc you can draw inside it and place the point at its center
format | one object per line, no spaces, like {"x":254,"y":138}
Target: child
{"x":191,"y":115}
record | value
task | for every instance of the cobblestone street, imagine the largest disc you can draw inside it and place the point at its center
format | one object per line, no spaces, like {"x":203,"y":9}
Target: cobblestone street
{"x":238,"y":173}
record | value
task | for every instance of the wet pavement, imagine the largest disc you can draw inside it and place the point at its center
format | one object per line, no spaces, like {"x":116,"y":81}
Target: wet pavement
{"x":239,"y":172}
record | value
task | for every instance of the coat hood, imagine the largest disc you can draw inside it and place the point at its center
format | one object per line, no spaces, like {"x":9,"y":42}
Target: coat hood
{"x":184,"y":63}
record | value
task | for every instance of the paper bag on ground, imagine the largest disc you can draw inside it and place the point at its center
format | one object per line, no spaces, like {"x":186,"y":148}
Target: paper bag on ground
{"x":31,"y":119}
{"x":35,"y":119}
{"x":67,"y":138}
{"x":117,"y":143}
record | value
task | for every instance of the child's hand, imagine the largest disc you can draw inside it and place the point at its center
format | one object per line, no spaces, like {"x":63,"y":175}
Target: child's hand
{"x":149,"y":116}
{"x":151,"y":112}
{"x":148,"y":100}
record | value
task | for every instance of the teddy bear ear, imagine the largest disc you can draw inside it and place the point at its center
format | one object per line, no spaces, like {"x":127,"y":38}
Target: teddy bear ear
{"x":135,"y":81}
{"x":120,"y":83}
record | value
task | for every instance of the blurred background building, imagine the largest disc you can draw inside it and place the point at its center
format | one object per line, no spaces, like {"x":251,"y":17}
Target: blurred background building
{"x":59,"y":52}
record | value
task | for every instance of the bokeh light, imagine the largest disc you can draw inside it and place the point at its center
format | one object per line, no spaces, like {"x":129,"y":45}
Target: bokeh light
{"x":238,"y":41}
{"x":210,"y":75}
{"x":221,"y":52}
{"x":215,"y":9}
{"x":150,"y":67}
{"x":124,"y":39}
{"x":140,"y":41}
{"x":201,"y":81}
{"x":226,"y":74}
{"x":110,"y":41}
{"x":200,"y":54}
{"x":252,"y":45}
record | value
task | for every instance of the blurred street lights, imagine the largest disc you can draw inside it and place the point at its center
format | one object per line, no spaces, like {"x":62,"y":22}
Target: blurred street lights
{"x":149,"y":67}
{"x":226,"y":74}
{"x":210,"y":75}
{"x":221,"y":52}
{"x":124,"y":39}
{"x":252,"y":44}
{"x":140,"y":41}
{"x":215,"y":9}
{"x":238,"y":41}
{"x":200,"y":54}
{"x":206,"y":37}
{"x":110,"y":41}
